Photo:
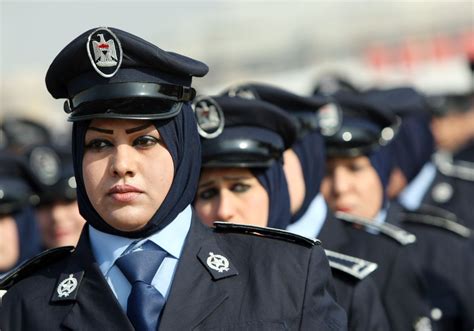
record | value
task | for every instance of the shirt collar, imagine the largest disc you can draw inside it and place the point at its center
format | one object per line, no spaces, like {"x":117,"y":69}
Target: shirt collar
{"x":311,"y":222}
{"x":412,"y":196}
{"x":107,"y":248}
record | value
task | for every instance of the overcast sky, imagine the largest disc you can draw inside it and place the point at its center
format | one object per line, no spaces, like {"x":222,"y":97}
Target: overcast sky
{"x":223,"y":34}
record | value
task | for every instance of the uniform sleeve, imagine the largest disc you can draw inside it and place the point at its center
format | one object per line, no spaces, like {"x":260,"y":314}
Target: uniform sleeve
{"x":366,"y":310}
{"x":320,"y":310}
{"x":10,"y":312}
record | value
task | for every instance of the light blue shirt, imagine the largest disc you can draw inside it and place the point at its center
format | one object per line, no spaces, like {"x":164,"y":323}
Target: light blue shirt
{"x":412,"y":196}
{"x":108,"y":248}
{"x":310,"y":224}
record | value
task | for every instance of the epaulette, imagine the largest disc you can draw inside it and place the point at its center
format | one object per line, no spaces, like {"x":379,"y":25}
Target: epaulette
{"x":458,"y":169}
{"x":351,"y":265}
{"x":266,"y":232}
{"x":33,"y":264}
{"x":438,"y":222}
{"x":392,"y":231}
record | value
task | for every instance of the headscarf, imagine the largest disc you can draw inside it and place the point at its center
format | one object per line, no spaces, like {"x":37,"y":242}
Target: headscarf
{"x":181,"y":138}
{"x":274,"y":182}
{"x":310,"y":151}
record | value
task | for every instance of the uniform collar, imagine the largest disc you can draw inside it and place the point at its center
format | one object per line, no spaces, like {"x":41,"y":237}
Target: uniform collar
{"x":311,"y":222}
{"x":107,"y":248}
{"x":412,"y":196}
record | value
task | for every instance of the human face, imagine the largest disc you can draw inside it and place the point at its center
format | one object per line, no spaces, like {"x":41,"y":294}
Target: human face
{"x":127,"y":171}
{"x":9,"y":242}
{"x":351,"y":185}
{"x":396,"y":183}
{"x":231,"y":195}
{"x":295,"y":179}
{"x":60,"y":224}
{"x":452,"y":131}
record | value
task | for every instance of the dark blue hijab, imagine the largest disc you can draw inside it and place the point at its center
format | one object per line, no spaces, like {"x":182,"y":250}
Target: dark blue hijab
{"x":310,"y":150}
{"x":182,"y":140}
{"x":413,"y":145}
{"x":274,"y":182}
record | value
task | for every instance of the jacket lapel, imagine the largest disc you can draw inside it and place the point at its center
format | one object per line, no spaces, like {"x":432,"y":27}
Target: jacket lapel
{"x":195,"y":292}
{"x":95,"y":306}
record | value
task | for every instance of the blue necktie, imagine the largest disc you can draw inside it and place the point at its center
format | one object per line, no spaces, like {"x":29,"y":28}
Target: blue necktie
{"x":144,"y":303}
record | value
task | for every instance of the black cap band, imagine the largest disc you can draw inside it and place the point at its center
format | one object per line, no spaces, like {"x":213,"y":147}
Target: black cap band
{"x":239,"y":153}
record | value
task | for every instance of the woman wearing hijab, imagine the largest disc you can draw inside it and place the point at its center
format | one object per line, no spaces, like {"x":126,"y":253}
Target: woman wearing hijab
{"x":144,"y":261}
{"x":438,"y":239}
{"x":242,"y":181}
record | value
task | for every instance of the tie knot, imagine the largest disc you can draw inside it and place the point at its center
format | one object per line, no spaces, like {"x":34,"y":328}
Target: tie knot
{"x":141,"y":266}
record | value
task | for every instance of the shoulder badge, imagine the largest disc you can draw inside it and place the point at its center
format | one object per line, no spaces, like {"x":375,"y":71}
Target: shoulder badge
{"x":209,"y":117}
{"x":105,"y":52}
{"x":351,"y":265}
{"x":392,"y":231}
{"x":33,"y":264}
{"x":438,"y":222}
{"x":266,"y":232}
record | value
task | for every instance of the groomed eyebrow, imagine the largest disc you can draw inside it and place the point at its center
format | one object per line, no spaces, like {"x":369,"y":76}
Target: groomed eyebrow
{"x":138,"y":128}
{"x":212,"y":181}
{"x":106,"y":131}
{"x":127,"y":131}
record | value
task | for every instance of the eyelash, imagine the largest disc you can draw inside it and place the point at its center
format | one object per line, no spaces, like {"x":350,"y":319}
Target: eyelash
{"x":142,"y":142}
{"x":210,"y":193}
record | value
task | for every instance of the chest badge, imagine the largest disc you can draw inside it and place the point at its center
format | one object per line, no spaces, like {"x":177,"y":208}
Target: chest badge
{"x":67,"y":286}
{"x":217,"y":262}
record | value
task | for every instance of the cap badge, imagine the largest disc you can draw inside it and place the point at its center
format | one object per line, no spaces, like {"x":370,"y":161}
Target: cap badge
{"x":217,"y":262}
{"x":243,"y":92}
{"x":105,"y":52}
{"x":67,"y":286}
{"x":45,"y":165}
{"x":329,"y":119}
{"x":209,"y":117}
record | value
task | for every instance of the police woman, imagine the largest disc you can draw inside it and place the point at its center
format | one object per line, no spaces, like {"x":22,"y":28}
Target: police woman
{"x":144,"y":261}
{"x":243,"y":181}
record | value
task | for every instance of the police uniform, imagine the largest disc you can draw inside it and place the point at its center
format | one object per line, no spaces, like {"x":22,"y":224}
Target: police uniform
{"x":438,"y":238}
{"x":453,"y":184}
{"x":364,"y":128}
{"x":443,"y":249}
{"x":225,"y":278}
{"x":355,"y":289}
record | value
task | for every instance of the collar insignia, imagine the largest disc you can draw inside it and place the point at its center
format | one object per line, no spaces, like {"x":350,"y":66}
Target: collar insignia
{"x":68,"y":285}
{"x":105,"y":52}
{"x":209,"y":117}
{"x":218,"y":265}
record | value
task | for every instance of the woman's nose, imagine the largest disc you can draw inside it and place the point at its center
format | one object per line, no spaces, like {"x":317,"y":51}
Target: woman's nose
{"x":226,"y":207}
{"x":123,"y":162}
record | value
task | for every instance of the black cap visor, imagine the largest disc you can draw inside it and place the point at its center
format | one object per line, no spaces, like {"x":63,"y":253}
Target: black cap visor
{"x":129,"y":108}
{"x":239,"y":153}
